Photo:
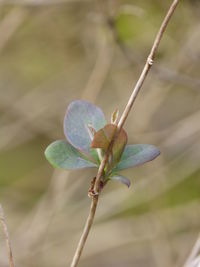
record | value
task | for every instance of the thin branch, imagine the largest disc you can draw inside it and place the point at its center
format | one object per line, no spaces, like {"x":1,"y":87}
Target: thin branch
{"x":148,"y":64}
{"x":136,"y":89}
{"x":8,"y":243}
{"x":122,"y":120}
{"x":86,"y":231}
{"x":193,"y":255}
{"x":160,"y":71}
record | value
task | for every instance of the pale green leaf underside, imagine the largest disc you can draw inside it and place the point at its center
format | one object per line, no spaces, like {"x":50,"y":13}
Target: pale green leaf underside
{"x":121,"y":179}
{"x":134,"y":155}
{"x":62,"y":155}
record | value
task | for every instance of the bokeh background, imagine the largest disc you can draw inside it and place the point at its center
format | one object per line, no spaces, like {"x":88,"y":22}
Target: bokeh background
{"x":55,"y":51}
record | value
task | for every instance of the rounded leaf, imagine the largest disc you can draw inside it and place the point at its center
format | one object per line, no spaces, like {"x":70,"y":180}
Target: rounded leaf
{"x":121,"y":179}
{"x":79,"y":115}
{"x":63,"y":155}
{"x":134,"y":155}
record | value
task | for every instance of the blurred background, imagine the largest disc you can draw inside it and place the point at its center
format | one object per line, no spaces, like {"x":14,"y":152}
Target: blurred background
{"x":55,"y":51}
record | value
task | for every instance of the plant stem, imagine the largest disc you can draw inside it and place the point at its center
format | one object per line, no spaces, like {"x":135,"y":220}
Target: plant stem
{"x":194,"y":254}
{"x":122,"y":120}
{"x":5,"y":230}
{"x":137,"y":87}
{"x":148,"y":64}
{"x":86,"y":231}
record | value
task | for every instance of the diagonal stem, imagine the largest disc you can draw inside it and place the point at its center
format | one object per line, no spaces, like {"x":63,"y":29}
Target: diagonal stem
{"x":148,"y":65}
{"x":5,"y":230}
{"x":86,"y":231}
{"x":194,"y":253}
{"x":136,"y":89}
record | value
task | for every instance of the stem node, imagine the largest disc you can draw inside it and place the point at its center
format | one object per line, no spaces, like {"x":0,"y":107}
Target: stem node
{"x":96,"y":186}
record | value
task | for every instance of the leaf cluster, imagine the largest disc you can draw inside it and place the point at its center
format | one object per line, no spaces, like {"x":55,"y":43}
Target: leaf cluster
{"x":88,"y":137}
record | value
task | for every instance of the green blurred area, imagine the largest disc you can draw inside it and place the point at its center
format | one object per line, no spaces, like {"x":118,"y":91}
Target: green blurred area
{"x":53,"y":53}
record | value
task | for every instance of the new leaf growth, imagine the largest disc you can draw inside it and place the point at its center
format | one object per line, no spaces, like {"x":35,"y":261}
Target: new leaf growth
{"x":88,"y":137}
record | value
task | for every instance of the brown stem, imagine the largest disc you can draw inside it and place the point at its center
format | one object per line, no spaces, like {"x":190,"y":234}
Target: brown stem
{"x":5,"y":230}
{"x":86,"y":231}
{"x":148,"y":65}
{"x":137,"y":87}
{"x":122,"y":120}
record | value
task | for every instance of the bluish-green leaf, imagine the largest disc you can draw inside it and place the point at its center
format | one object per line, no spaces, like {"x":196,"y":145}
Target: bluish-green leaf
{"x":121,"y":179}
{"x":63,"y":155}
{"x":134,"y":155}
{"x":79,"y":115}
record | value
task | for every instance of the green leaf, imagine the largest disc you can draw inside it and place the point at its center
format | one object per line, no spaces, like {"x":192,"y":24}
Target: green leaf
{"x":79,"y":115}
{"x":121,"y":179}
{"x":63,"y":155}
{"x":134,"y":155}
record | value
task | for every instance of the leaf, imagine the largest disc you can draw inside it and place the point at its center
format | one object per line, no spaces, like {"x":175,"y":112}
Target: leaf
{"x":91,"y":131}
{"x":121,"y":179}
{"x":119,"y":145}
{"x":63,"y":155}
{"x":114,"y":116}
{"x":79,"y":115}
{"x":94,"y":155}
{"x":103,"y":138}
{"x":134,"y":155}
